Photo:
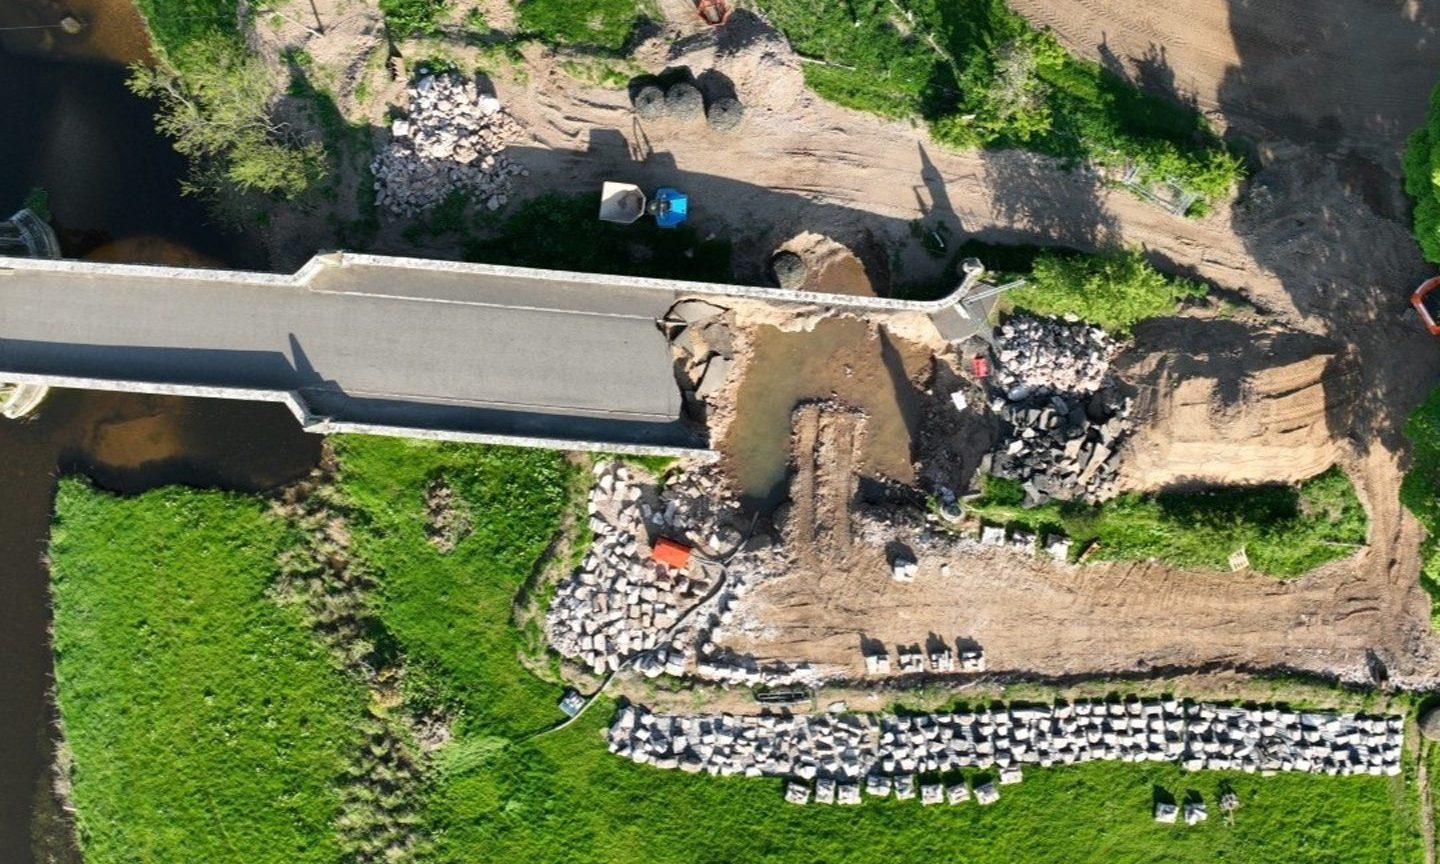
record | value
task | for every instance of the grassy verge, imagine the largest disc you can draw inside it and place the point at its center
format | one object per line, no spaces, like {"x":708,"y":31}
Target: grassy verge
{"x":1418,"y":492}
{"x":1112,"y":291}
{"x":562,"y":232}
{"x":451,"y":613}
{"x":205,"y":723}
{"x":564,"y":798}
{"x":982,"y":76}
{"x":1284,"y":530}
{"x":604,"y":24}
{"x":494,"y":794}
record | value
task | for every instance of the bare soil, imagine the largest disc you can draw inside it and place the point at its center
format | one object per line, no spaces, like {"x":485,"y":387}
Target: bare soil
{"x":1324,"y":369}
{"x":1219,"y":402}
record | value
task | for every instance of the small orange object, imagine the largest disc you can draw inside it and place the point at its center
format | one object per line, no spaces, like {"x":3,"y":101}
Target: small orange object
{"x":671,"y":554}
{"x":1424,"y":302}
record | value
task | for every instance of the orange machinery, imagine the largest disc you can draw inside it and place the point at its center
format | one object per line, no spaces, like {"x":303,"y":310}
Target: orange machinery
{"x":1427,"y":303}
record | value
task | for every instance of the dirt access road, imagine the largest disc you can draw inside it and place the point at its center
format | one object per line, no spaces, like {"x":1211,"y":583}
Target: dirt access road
{"x":1314,"y":242}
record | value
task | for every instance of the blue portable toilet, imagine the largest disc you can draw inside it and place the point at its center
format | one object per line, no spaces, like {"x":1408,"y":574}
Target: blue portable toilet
{"x":671,"y":207}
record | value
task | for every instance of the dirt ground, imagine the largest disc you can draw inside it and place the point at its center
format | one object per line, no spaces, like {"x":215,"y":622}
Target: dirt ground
{"x":1323,"y":93}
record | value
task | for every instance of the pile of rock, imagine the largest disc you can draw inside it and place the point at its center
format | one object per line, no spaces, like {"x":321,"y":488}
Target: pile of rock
{"x":451,"y":140}
{"x":891,"y":749}
{"x":1040,"y":354}
{"x":621,"y":606}
{"x":621,"y":603}
{"x":1064,"y":415}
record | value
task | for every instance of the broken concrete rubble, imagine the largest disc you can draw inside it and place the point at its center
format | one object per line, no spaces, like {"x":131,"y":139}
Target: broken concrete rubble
{"x":451,"y":141}
{"x":622,"y":608}
{"x":1064,"y":413}
{"x":889,"y":752}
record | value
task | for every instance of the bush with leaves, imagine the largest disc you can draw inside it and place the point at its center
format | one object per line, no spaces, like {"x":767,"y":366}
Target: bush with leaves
{"x":1111,"y":291}
{"x":215,"y":103}
{"x":1422,"y":179}
{"x":407,"y":18}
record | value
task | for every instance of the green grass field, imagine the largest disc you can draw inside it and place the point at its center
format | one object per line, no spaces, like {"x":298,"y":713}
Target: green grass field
{"x":604,"y":24}
{"x":206,"y":723}
{"x":451,"y":613}
{"x":493,"y":793}
{"x":564,"y":798}
{"x":1285,"y":530}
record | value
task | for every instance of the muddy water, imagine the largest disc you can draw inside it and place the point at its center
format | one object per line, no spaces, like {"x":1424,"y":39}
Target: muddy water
{"x":128,"y":444}
{"x":843,"y":359}
{"x":72,"y":128}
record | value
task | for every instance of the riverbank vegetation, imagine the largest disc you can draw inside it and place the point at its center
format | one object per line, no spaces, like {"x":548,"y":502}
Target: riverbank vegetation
{"x":215,"y":100}
{"x":982,"y":76}
{"x":1284,"y":530}
{"x":206,"y":721}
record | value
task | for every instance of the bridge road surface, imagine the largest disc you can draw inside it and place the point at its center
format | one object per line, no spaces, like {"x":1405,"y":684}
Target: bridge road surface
{"x":367,"y":343}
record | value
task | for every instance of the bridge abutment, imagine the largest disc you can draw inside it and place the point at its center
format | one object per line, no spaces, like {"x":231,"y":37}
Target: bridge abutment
{"x":25,"y":235}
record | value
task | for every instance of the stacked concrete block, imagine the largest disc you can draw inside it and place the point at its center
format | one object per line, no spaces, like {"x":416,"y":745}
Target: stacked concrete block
{"x":889,"y":753}
{"x":1056,"y":547}
{"x":1195,"y":813}
{"x":986,"y":794}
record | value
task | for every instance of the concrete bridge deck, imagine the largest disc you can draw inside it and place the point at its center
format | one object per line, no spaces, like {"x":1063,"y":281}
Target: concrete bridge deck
{"x":402,"y":346}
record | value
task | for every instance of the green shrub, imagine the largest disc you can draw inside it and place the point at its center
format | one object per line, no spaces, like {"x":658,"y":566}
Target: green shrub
{"x":982,"y":76}
{"x":38,"y":202}
{"x":602,"y":24}
{"x":1422,"y":179}
{"x":214,"y":100}
{"x":1112,"y":291}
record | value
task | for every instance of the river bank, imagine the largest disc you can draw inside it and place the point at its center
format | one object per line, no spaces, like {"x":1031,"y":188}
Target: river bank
{"x":126,"y":444}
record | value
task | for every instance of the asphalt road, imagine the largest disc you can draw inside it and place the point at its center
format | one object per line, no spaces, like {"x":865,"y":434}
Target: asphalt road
{"x":373,"y":344}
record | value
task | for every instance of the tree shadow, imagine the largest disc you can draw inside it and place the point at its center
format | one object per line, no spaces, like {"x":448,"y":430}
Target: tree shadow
{"x":1043,"y":205}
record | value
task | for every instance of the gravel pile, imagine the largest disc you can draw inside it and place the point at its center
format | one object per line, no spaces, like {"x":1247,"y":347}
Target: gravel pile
{"x":887,"y":752}
{"x":1064,"y":413}
{"x":452,"y":139}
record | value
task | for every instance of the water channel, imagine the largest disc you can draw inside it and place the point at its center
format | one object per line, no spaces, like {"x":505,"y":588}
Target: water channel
{"x":114,"y":185}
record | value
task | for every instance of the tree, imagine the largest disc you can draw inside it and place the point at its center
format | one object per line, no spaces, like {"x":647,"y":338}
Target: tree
{"x":215,"y":104}
{"x":1422,"y":179}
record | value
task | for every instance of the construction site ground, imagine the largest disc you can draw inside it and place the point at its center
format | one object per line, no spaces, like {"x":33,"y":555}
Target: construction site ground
{"x":1319,"y":365}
